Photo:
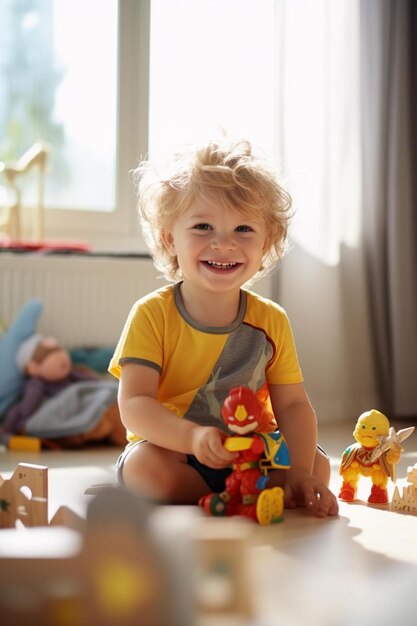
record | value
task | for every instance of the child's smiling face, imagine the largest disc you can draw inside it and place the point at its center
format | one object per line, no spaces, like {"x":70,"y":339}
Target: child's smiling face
{"x":217,"y":248}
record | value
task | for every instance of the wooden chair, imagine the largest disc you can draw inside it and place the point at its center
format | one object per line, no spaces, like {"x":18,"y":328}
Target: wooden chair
{"x":11,"y":209}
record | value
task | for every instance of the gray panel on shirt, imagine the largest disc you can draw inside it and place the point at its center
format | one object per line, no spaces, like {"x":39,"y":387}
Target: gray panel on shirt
{"x":242,"y":362}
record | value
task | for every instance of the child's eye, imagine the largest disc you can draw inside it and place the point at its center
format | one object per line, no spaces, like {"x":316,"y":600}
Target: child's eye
{"x":202,"y":227}
{"x":243,"y":228}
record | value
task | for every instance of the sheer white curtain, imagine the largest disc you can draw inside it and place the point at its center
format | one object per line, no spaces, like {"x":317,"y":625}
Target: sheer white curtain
{"x":322,"y":281}
{"x":346,"y":118}
{"x":285,"y":73}
{"x":319,"y":107}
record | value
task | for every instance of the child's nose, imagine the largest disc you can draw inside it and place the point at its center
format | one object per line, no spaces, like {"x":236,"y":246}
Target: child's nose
{"x":223,"y":241}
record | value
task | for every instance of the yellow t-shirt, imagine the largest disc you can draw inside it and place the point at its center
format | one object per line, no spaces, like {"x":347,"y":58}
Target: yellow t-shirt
{"x":198,"y":365}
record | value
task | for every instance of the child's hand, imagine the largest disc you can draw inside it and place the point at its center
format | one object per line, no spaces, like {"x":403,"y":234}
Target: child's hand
{"x":303,"y":489}
{"x":207,"y":446}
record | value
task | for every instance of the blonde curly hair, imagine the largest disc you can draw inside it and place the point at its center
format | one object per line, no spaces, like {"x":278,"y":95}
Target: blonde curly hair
{"x":232,"y":172}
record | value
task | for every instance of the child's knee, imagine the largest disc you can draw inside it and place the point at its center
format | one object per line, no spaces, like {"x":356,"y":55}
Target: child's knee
{"x":150,"y":471}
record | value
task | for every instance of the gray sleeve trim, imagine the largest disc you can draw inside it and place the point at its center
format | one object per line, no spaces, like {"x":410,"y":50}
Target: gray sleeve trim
{"x":131,"y":359}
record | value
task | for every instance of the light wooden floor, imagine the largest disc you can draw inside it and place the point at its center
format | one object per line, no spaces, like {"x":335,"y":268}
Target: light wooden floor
{"x":357,"y":569}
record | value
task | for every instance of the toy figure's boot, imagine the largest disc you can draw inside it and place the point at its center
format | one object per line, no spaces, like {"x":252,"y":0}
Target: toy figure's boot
{"x":378,"y":495}
{"x":216,"y":504}
{"x":347,"y":492}
{"x":270,"y":506}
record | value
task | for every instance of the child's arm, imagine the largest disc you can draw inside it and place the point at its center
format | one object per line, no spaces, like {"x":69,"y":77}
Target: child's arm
{"x":144,"y":415}
{"x":297,"y":421}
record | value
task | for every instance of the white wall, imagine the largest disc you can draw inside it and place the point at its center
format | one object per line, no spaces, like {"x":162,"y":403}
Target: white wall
{"x":327,"y":308}
{"x":86,"y":302}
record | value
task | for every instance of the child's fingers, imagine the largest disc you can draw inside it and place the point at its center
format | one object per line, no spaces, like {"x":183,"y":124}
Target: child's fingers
{"x":290,"y":501}
{"x":213,"y":452}
{"x":313,"y":495}
{"x":217,"y":446}
{"x":321,"y":502}
{"x":222,"y":455}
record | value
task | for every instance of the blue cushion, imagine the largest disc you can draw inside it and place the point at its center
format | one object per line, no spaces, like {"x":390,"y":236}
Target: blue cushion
{"x":11,"y":379}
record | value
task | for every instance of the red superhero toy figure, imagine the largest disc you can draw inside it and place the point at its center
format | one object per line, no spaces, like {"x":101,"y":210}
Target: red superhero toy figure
{"x":245,"y":492}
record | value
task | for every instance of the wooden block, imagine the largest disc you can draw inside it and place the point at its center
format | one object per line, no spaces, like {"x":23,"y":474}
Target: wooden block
{"x":222,"y":546}
{"x":119,"y":576}
{"x":68,"y":518}
{"x":13,"y":505}
{"x":24,"y":497}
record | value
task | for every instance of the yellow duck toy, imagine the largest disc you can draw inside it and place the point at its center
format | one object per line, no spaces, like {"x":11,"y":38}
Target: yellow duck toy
{"x":375,"y":455}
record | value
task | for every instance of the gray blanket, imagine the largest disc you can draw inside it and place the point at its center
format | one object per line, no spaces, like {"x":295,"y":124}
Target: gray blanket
{"x":77,"y":409}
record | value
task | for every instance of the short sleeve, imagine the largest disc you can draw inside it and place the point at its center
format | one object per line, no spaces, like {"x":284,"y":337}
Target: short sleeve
{"x":284,"y":367}
{"x":141,"y":339}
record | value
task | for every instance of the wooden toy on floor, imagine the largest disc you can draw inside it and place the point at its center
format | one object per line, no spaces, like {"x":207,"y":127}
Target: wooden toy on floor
{"x":406,"y":502}
{"x":128,"y":558}
{"x":114,"y":573}
{"x":24,"y":500}
{"x":223,"y":572}
{"x":24,"y":497}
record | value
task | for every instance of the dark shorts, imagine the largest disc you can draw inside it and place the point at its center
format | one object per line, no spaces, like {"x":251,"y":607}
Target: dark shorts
{"x":215,"y":478}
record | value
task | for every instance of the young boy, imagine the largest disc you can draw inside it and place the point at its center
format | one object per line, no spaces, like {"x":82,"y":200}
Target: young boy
{"x":214,"y":221}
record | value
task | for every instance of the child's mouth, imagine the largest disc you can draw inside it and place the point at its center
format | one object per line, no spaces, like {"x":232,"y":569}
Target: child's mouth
{"x":221,"y":266}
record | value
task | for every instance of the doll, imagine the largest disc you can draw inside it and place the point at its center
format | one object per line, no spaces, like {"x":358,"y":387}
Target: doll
{"x":49,"y":371}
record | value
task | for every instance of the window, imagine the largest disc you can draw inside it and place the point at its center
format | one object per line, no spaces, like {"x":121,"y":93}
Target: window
{"x":198,"y":82}
{"x":62,"y":70}
{"x":107,"y":82}
{"x":47,"y":83}
{"x":212,"y":64}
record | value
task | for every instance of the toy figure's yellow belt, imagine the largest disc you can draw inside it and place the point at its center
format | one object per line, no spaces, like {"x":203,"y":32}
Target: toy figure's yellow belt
{"x":245,"y":466}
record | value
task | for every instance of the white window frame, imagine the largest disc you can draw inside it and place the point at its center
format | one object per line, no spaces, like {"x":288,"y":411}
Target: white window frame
{"x":118,"y":230}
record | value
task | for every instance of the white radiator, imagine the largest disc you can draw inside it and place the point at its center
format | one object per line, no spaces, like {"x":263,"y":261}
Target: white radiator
{"x":85,"y":299}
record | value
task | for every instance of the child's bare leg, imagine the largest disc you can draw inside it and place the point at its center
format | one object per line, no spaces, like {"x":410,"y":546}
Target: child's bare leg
{"x":163,"y":475}
{"x":321,"y":468}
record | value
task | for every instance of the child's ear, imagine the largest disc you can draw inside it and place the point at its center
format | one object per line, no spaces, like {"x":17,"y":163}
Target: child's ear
{"x":168,"y":239}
